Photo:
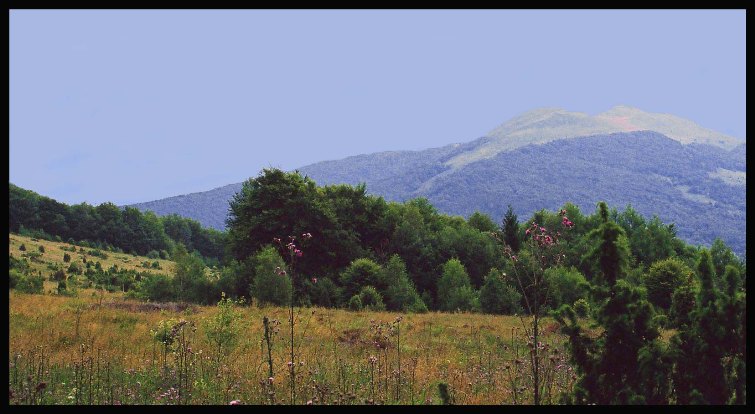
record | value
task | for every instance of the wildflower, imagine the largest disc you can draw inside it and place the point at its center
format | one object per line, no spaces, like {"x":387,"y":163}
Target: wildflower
{"x":527,"y":232}
{"x":270,"y":380}
{"x":234,"y":402}
{"x":309,"y":402}
{"x":298,"y":252}
{"x":314,"y":280}
{"x":276,"y":240}
{"x":306,"y":236}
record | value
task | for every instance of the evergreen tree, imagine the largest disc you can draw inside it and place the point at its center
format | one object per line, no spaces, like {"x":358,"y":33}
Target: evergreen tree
{"x":510,"y":230}
{"x":698,"y":349}
{"x":627,"y":363}
{"x":733,"y":309}
{"x":610,"y":255}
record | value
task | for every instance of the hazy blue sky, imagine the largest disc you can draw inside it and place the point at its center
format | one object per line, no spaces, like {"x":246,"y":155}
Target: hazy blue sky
{"x":130,"y":106}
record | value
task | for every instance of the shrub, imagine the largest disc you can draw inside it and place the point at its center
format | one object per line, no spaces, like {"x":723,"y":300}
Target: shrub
{"x":323,"y":292}
{"x":30,"y":284}
{"x":98,"y":253}
{"x":454,"y":288}
{"x":222,"y":330}
{"x":59,"y":274}
{"x":371,"y":299}
{"x":400,"y":294}
{"x":66,"y":257}
{"x":581,"y":308}
{"x":156,"y":265}
{"x":361,"y":272}
{"x":34,"y":256}
{"x":355,"y":303}
{"x":41,"y":248}
{"x":418,"y":306}
{"x":499,"y":297}
{"x":14,"y":276}
{"x":155,"y":287}
{"x":271,"y":283}
{"x":663,"y":278}
{"x":153,"y":254}
{"x":22,"y":247}
{"x":22,"y":265}
{"x":565,"y":285}
{"x":62,"y":287}
{"x":75,"y":269}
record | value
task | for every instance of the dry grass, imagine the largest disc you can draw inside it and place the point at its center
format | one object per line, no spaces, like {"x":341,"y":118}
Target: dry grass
{"x":54,"y":252}
{"x":475,"y":354}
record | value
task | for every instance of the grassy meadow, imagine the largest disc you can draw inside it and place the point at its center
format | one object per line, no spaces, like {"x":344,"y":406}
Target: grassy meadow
{"x":102,"y":348}
{"x":85,"y":351}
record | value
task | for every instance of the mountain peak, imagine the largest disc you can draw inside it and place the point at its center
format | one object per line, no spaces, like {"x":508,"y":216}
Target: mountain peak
{"x":543,"y":125}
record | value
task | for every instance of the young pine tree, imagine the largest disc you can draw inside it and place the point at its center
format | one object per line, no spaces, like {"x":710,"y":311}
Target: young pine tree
{"x":627,"y":364}
{"x":510,"y":230}
{"x":698,"y":350}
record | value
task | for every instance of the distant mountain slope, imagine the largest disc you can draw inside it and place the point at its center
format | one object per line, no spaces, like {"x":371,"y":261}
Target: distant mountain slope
{"x":653,"y":173}
{"x":209,"y":208}
{"x":695,"y":178}
{"x":544,"y":125}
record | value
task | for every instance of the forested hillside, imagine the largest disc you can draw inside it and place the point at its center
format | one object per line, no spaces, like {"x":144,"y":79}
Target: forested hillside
{"x":700,"y":185}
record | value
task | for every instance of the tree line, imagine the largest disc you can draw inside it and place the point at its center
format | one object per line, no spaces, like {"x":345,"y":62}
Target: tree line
{"x":365,"y":252}
{"x":108,"y":225}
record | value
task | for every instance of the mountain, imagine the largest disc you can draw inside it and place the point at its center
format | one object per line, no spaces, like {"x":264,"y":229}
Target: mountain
{"x":659,"y":163}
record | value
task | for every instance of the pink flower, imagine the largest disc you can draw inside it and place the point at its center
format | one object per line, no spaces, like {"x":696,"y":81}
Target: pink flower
{"x":309,"y":402}
{"x":276,"y":240}
{"x":527,"y":232}
{"x":298,"y":252}
{"x":314,"y":280}
{"x":234,"y":402}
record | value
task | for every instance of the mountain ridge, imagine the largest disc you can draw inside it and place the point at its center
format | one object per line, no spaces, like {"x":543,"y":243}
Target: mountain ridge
{"x":715,"y":177}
